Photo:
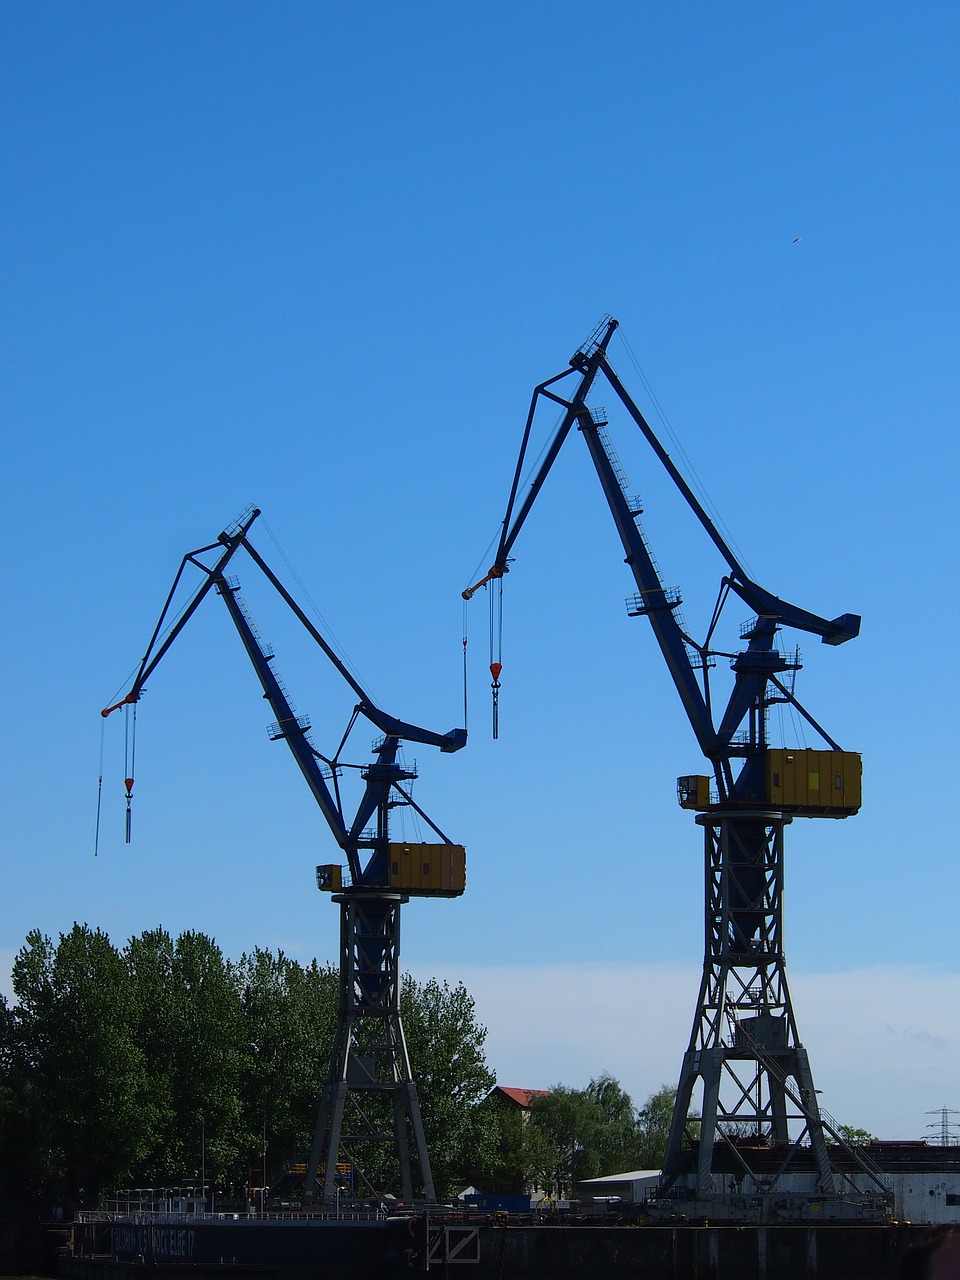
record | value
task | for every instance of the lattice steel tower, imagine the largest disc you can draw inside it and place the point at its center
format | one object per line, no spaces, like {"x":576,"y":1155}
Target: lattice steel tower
{"x":745,"y":1056}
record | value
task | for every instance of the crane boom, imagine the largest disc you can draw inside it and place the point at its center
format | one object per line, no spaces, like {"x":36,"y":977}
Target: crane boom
{"x":453,"y":740}
{"x":231,"y":538}
{"x":756,"y":667}
{"x":380,"y":776}
{"x":293,"y":729}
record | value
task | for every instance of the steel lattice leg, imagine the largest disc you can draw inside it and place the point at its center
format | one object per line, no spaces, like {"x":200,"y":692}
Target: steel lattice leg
{"x":744,"y":1050}
{"x":369,"y":1116}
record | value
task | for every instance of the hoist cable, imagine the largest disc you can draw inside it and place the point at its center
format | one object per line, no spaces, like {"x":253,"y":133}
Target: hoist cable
{"x":96,"y":834}
{"x":464,"y":608}
{"x":491,"y":608}
{"x":496,"y":647}
{"x":484,"y":560}
{"x":689,"y":468}
{"x":329,"y":634}
{"x":129,"y":760}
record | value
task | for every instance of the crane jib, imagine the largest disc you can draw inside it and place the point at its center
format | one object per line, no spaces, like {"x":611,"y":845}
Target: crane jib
{"x":321,"y":775}
{"x":733,"y":735}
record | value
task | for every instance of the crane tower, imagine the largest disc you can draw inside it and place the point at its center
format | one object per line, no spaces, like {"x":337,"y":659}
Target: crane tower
{"x":759,"y":1123}
{"x":369,"y":1126}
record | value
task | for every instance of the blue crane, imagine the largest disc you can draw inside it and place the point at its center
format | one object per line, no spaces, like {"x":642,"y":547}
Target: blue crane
{"x":744,"y":1054}
{"x":369,"y":1069}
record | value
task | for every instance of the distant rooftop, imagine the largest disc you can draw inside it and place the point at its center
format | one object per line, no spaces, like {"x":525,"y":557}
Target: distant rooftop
{"x":519,"y":1097}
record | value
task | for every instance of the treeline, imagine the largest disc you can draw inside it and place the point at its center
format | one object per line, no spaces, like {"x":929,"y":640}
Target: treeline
{"x":572,"y":1134}
{"x":143,"y":1065}
{"x":133,"y":1066}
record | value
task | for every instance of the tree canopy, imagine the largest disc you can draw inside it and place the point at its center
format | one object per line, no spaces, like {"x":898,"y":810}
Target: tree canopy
{"x":568,"y":1135}
{"x":592,"y":1132}
{"x":147,"y":1064}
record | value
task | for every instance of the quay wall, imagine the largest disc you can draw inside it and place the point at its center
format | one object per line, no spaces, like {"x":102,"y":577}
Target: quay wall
{"x":803,"y":1252}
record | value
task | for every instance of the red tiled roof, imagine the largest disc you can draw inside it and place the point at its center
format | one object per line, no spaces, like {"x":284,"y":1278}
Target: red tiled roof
{"x":522,"y":1097}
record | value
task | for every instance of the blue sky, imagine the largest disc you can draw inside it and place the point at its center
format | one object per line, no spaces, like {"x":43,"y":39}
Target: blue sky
{"x":315,"y":257}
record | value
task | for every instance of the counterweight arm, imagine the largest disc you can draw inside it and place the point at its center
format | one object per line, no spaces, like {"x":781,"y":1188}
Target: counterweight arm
{"x":451,"y":741}
{"x":841,"y":629}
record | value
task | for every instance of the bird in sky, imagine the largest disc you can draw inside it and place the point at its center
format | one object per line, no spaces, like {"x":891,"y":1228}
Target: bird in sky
{"x":797,"y":239}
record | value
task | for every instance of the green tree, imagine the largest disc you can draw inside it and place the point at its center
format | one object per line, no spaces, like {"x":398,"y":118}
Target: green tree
{"x":855,"y":1137}
{"x":24,"y":1127}
{"x":189,"y":1021}
{"x":137,"y":1067}
{"x":17,"y":1148}
{"x":653,"y":1127}
{"x":590,"y":1132}
{"x":569,"y":1121}
{"x":84,"y":1075}
{"x":520,"y":1152}
{"x":289,"y":1017}
{"x":445,"y":1043}
{"x":617,"y":1136}
{"x":206,"y":1062}
{"x":149,"y":961}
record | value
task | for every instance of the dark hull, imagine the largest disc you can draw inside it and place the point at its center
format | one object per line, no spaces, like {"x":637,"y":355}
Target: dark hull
{"x":396,"y":1249}
{"x":318,"y":1249}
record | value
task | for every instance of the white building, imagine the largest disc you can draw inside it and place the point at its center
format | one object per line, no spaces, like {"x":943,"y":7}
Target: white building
{"x":922,"y":1185}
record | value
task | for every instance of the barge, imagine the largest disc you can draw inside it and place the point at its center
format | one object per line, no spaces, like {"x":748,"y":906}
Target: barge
{"x":312,"y":1247}
{"x":477,"y":1247}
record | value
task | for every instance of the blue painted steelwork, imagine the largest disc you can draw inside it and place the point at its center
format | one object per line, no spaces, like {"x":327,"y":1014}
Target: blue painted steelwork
{"x":369,"y":1056}
{"x":758,"y":668}
{"x":382,"y":778}
{"x":744,"y":1052}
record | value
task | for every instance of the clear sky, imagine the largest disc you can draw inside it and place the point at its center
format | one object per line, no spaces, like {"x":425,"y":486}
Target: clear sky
{"x":315,"y":257}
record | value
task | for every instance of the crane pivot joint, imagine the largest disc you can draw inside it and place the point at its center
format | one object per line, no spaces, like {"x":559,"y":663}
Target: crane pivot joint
{"x":497,"y":571}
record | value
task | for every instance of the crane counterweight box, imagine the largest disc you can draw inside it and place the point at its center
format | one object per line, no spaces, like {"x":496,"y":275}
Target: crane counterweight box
{"x":814,"y":782}
{"x":428,"y":870}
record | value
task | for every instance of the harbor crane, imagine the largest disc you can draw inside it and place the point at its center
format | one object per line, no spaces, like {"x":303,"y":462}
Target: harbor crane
{"x":370,"y":1092}
{"x":745,"y":1057}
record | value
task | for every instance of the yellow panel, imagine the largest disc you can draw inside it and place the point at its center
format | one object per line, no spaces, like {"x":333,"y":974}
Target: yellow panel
{"x":816,"y":781}
{"x":453,"y":869}
{"x":427,"y":864}
{"x":400,"y":868}
{"x":428,"y":868}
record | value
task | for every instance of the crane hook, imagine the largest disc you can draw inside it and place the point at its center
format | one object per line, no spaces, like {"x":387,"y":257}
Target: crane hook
{"x":495,"y":669}
{"x":128,"y":783}
{"x":129,"y":757}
